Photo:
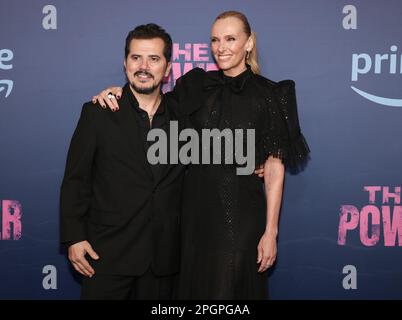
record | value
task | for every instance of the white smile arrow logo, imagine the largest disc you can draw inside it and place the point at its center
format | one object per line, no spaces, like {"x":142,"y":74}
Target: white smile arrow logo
{"x":377,"y":99}
{"x":6,"y":84}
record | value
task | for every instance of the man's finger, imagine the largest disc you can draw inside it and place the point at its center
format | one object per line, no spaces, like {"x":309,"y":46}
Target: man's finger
{"x":259,"y":254}
{"x":87,"y":267}
{"x":259,"y":171}
{"x":263,"y":265}
{"x":83,"y":263}
{"x":80,"y":265}
{"x":272,"y":261}
{"x":78,"y":268}
{"x":92,"y":253}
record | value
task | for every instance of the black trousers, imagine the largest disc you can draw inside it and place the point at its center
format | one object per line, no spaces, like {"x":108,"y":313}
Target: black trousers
{"x":111,"y":287}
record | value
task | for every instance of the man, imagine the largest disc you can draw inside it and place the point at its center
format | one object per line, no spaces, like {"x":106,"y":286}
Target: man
{"x":119,"y":214}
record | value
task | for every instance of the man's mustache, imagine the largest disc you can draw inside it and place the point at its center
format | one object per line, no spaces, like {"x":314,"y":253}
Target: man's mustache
{"x":144,"y":73}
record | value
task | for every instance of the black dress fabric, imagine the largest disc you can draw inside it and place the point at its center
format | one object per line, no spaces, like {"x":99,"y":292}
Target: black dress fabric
{"x":224,"y":214}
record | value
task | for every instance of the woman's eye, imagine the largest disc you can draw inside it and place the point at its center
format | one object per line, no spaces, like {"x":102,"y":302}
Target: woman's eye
{"x":231,"y":39}
{"x":213,"y":40}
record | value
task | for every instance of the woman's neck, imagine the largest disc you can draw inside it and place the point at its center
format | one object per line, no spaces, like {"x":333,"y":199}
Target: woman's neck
{"x":235,"y":72}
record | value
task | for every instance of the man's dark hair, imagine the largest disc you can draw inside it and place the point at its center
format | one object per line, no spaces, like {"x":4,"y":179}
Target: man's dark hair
{"x":150,"y":31}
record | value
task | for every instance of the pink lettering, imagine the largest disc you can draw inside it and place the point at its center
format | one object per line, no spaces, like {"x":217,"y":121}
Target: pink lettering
{"x":375,"y":225}
{"x":368,"y":220}
{"x":200,"y":49}
{"x":11,"y":212}
{"x":177,"y":52}
{"x":392,"y":228}
{"x":386,"y":195}
{"x":372,"y":190}
{"x":345,"y":223}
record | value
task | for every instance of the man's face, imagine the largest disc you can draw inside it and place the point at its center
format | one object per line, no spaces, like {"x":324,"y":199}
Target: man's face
{"x":145,"y":65}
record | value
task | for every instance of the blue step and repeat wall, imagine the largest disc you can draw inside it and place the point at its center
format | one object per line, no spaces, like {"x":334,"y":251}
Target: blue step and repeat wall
{"x":341,"y":220}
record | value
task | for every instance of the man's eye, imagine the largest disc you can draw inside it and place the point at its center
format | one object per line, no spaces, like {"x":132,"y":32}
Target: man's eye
{"x":231,"y":39}
{"x":155,"y":59}
{"x":136,"y":57}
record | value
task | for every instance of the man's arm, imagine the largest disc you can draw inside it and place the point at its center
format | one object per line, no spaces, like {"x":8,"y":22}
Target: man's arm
{"x":76,"y":189}
{"x":76,"y":193}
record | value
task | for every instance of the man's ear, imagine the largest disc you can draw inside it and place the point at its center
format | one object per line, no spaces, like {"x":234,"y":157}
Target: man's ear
{"x":168,"y":68}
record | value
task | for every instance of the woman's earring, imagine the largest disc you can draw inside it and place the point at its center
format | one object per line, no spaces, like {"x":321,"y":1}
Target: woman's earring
{"x":247,"y":54}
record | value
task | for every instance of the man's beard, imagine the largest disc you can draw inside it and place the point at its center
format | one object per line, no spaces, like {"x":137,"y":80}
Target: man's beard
{"x":146,"y":90}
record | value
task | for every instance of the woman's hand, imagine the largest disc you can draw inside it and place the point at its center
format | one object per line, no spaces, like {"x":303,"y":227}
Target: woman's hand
{"x":266,"y":251}
{"x":108,"y":97}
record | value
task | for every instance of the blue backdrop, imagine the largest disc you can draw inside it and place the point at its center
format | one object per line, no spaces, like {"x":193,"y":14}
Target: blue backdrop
{"x":341,"y":220}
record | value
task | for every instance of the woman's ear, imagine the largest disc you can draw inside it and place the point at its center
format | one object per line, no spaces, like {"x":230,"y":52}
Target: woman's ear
{"x":250,"y":43}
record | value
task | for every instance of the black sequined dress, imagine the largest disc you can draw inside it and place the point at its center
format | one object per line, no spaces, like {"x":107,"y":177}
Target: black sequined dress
{"x":224,"y":213}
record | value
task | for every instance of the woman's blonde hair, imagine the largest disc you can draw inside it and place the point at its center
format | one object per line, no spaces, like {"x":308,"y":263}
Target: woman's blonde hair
{"x":251,"y":57}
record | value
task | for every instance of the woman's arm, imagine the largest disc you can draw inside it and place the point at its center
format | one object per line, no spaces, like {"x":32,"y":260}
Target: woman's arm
{"x":274,"y":174}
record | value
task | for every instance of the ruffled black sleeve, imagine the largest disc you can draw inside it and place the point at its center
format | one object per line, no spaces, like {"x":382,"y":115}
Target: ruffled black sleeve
{"x":187,"y":91}
{"x":282,"y":137}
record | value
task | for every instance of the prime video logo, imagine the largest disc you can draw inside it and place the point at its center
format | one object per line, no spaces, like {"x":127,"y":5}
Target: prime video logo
{"x":362,"y":63}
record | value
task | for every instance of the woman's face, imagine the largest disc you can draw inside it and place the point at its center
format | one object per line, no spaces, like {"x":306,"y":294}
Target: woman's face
{"x":229,"y":43}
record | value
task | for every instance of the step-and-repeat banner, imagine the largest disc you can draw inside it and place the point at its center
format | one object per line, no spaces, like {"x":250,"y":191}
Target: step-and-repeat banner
{"x":341,"y":220}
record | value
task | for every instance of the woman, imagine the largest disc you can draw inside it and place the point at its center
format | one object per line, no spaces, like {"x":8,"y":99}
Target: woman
{"x":229,"y":221}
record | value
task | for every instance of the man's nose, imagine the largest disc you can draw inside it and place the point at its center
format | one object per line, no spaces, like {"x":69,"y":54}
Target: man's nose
{"x":144,"y":64}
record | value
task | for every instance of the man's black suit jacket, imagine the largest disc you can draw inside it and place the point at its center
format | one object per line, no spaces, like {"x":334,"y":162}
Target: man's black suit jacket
{"x":111,"y":197}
